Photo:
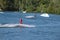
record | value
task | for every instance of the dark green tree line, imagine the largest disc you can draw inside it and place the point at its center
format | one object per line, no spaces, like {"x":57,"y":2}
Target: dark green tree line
{"x":49,"y":6}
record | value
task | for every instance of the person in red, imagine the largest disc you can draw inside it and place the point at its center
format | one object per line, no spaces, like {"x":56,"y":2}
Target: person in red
{"x":20,"y":20}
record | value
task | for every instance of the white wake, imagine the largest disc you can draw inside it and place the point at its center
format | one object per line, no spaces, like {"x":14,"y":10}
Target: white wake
{"x":1,"y":12}
{"x":16,"y":25}
{"x":44,"y":15}
{"x":29,"y":16}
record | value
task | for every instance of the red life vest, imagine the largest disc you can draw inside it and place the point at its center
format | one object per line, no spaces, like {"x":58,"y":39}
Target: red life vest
{"x":20,"y":21}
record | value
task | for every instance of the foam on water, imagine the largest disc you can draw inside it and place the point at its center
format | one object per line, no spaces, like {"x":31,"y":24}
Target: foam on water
{"x":30,"y":17}
{"x":16,"y":25}
{"x":24,"y":11}
{"x":44,"y":15}
{"x":1,"y":12}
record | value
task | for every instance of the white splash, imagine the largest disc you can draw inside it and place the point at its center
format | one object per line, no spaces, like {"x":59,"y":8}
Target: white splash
{"x":16,"y":25}
{"x":1,"y":12}
{"x":44,"y":15}
{"x":30,"y":17}
{"x":24,"y":11}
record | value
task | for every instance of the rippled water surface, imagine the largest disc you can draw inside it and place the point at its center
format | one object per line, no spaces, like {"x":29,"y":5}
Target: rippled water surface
{"x":46,"y":28}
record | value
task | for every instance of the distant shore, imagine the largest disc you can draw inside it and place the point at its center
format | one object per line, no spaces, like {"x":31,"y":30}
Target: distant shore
{"x":45,"y":6}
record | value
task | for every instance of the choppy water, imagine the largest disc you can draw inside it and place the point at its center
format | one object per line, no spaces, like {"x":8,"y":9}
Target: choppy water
{"x":46,"y":28}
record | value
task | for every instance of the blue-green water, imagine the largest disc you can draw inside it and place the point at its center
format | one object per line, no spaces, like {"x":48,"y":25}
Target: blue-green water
{"x":46,"y":28}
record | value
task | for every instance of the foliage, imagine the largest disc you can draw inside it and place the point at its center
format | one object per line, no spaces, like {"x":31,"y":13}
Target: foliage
{"x":49,"y":6}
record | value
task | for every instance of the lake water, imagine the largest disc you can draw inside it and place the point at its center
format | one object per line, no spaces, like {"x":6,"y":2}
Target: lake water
{"x":47,"y":28}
